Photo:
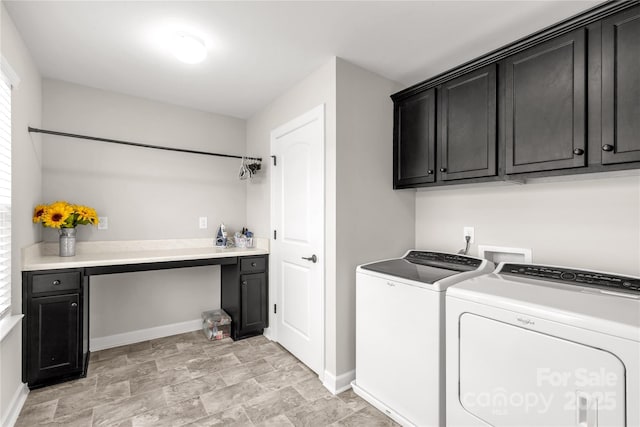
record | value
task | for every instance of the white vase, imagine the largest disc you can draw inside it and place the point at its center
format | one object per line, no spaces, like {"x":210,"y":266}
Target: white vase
{"x":67,"y":242}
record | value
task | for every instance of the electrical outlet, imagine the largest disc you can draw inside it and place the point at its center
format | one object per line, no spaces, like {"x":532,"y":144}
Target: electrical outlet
{"x":203,"y":222}
{"x":468,"y":231}
{"x":103,"y":223}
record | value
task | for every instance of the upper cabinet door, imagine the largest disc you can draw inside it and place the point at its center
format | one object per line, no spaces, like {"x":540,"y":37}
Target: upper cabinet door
{"x":467,"y":132}
{"x":621,"y":87}
{"x":414,"y":140}
{"x":545,"y":109}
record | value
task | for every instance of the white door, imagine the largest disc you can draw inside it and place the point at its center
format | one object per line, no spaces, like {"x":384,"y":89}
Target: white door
{"x":297,"y":251}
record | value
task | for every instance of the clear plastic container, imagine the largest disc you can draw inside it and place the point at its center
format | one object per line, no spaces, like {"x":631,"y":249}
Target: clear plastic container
{"x":216,"y":324}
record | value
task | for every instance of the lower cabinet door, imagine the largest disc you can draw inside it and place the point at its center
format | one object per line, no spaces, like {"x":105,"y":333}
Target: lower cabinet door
{"x":54,"y":331}
{"x":253,"y":296}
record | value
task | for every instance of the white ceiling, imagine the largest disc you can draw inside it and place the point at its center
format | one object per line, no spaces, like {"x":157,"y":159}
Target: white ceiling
{"x":257,"y":50}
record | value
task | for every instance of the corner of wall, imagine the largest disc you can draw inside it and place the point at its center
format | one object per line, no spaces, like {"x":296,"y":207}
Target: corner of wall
{"x":368,"y":210}
{"x":26,"y":106}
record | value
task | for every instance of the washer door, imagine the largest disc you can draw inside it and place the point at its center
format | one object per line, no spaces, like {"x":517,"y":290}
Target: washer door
{"x":512,"y":376}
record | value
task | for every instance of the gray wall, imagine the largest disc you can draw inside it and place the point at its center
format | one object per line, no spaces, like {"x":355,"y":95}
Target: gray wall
{"x":374,"y":221}
{"x":316,"y":89}
{"x":587,"y":222}
{"x":26,"y":192}
{"x":359,"y":197}
{"x":146,"y":194}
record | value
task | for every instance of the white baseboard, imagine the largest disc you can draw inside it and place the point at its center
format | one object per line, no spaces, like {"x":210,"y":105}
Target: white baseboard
{"x":267,"y":333}
{"x":340,"y":383}
{"x":19,"y":397}
{"x":101,"y":343}
{"x":381,"y":406}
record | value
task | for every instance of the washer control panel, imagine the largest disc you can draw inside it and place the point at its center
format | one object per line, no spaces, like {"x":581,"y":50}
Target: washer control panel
{"x":435,"y":258}
{"x":577,"y":277}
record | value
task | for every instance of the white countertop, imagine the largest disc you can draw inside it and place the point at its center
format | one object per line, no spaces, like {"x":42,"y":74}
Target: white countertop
{"x":44,"y":255}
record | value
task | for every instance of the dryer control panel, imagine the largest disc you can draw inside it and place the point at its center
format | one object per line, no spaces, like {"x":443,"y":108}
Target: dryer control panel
{"x":577,"y":277}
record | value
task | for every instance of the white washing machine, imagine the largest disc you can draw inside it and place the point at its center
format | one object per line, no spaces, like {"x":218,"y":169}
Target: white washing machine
{"x":533,"y":345}
{"x":400,"y":332}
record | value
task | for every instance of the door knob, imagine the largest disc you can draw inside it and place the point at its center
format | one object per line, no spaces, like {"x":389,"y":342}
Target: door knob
{"x":607,"y":147}
{"x":578,"y":151}
{"x":443,"y":169}
{"x":312,"y":258}
{"x":429,"y":172}
{"x":74,"y":304}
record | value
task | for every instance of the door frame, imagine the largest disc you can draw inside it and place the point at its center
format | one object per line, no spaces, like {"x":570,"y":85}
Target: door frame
{"x":316,"y":113}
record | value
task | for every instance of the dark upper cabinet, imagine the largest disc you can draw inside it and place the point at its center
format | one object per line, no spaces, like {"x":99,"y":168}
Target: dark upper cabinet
{"x":621,"y":87}
{"x":545,"y":105}
{"x":414,"y":140}
{"x":467,"y":126}
{"x":565,"y":100}
{"x":54,"y":331}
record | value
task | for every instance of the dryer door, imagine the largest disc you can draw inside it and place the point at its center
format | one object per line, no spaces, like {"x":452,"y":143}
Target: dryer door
{"x":512,"y":376}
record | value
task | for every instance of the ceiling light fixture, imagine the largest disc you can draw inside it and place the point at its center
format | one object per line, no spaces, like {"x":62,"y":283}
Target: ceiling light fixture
{"x":188,"y":49}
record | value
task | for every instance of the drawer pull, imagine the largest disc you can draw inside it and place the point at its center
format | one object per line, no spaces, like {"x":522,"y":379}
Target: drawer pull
{"x":56,"y":282}
{"x":253,"y":264}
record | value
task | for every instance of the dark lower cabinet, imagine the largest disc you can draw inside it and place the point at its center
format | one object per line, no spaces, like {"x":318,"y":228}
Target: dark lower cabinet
{"x":467,"y":128}
{"x":621,"y":87}
{"x":245,"y":295}
{"x":54,"y":331}
{"x":414,"y":140}
{"x":253,"y":297}
{"x":545,"y":105}
{"x":54,"y":327}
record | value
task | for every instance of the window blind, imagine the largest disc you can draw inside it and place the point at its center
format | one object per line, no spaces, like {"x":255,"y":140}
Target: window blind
{"x":5,"y":196}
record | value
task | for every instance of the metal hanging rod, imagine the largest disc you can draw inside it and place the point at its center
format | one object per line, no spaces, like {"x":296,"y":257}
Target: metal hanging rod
{"x":137,"y":144}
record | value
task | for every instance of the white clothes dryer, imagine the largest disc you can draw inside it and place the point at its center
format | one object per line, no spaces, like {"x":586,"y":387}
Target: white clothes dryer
{"x":534,"y":345}
{"x":400,"y":332}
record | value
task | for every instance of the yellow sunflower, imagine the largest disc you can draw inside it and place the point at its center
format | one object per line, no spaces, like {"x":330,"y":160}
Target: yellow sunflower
{"x":38,"y":211}
{"x":56,"y":214}
{"x":85,"y":214}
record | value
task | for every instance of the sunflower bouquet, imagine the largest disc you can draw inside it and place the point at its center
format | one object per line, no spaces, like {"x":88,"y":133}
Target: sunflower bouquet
{"x":64,"y":215}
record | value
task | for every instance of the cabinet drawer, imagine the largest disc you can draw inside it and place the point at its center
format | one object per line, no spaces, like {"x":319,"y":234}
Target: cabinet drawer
{"x":55,"y":282}
{"x":252,"y":264}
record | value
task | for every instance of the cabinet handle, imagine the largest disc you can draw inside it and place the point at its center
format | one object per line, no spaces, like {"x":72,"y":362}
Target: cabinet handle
{"x":443,"y":169}
{"x":578,"y":151}
{"x":253,"y":264}
{"x":429,"y":172}
{"x":244,"y":283}
{"x":56,"y":282}
{"x":74,"y":304}
{"x":607,"y":147}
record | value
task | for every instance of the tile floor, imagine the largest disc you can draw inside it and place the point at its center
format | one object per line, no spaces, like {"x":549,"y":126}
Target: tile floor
{"x":188,"y":380}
